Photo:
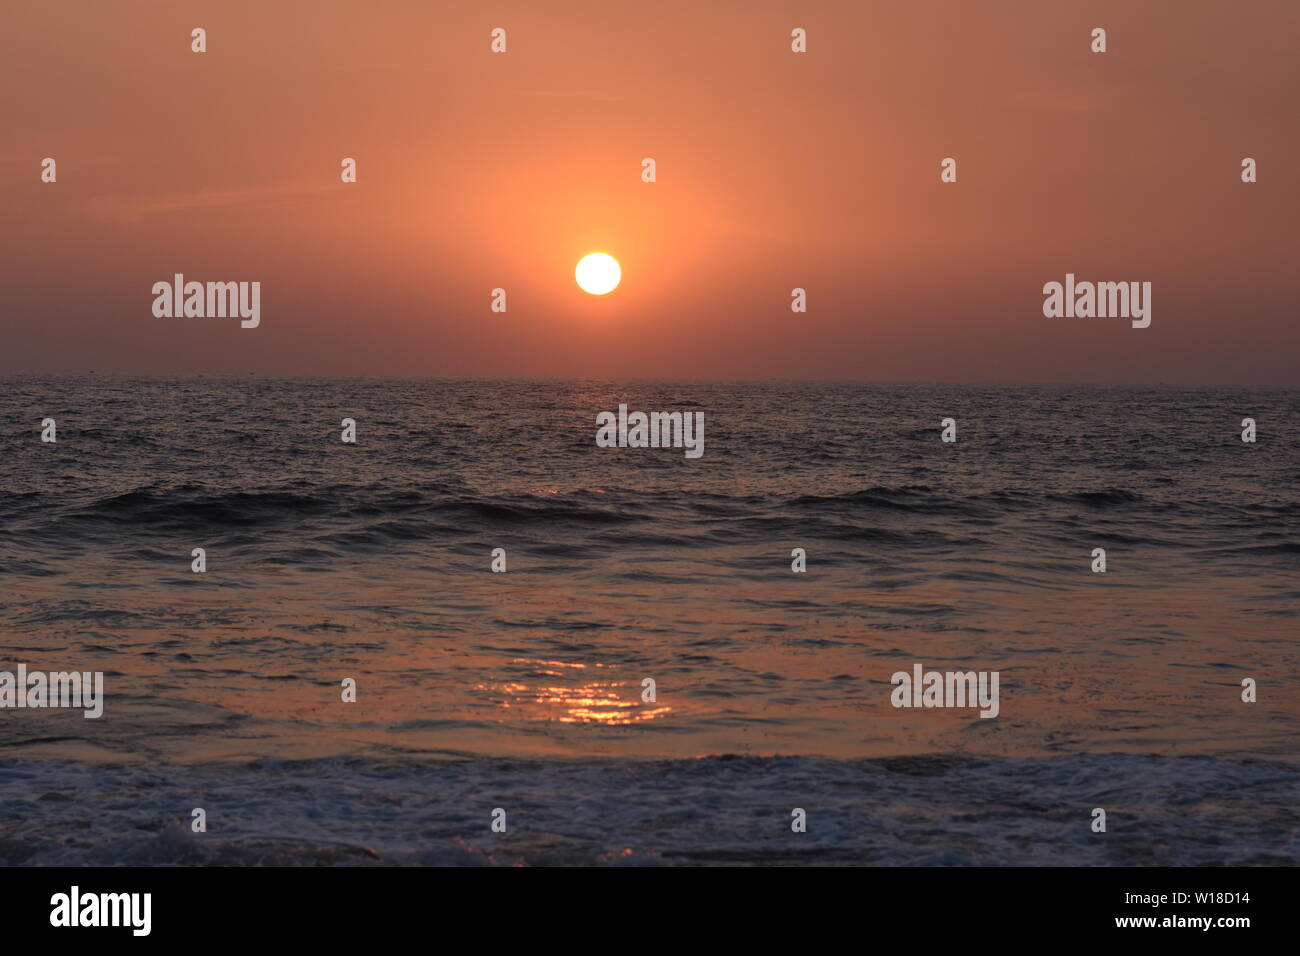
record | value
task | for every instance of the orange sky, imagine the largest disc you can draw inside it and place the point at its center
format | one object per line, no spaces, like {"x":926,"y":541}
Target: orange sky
{"x":775,"y":170}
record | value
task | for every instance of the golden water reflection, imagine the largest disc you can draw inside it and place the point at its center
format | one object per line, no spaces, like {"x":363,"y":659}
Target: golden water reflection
{"x":582,"y":701}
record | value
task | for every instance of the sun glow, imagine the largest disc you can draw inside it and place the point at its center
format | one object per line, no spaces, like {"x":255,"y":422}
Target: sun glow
{"x":598,"y":273}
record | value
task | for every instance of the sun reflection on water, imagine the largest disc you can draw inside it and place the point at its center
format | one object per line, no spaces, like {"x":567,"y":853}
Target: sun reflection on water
{"x":589,"y":701}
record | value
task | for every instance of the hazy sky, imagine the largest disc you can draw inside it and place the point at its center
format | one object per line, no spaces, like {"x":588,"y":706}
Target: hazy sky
{"x":775,"y":170}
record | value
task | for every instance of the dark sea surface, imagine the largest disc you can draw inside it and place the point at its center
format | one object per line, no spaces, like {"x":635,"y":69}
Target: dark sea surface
{"x":522,"y":690}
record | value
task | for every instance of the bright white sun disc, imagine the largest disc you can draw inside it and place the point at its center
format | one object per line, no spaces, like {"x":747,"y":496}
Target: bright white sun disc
{"x":598,"y":273}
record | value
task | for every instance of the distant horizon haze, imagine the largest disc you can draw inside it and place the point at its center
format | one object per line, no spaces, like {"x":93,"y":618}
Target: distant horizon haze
{"x":646,"y":380}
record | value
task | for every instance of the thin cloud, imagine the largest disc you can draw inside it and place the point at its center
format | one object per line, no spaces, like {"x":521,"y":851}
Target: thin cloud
{"x":133,"y":208}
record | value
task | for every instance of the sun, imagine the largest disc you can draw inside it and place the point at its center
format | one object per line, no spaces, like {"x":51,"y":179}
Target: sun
{"x":598,"y":273}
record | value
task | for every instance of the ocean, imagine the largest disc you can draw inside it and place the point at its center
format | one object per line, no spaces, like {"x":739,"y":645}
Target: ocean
{"x":523,"y":691}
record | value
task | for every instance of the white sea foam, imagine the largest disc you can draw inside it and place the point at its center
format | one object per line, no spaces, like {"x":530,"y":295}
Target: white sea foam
{"x":932,"y":810}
